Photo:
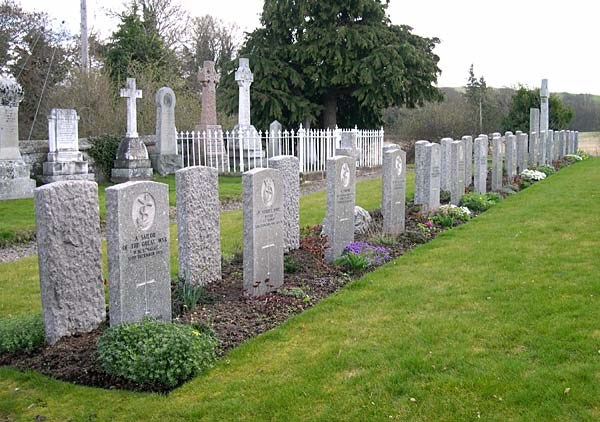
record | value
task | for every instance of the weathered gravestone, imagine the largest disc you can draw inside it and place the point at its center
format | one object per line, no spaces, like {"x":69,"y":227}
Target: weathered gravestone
{"x":431,"y":188}
{"x":570,"y":143}
{"x":534,"y":120}
{"x":510,"y":163}
{"x":556,"y":152}
{"x":274,"y":143}
{"x":562,"y":144}
{"x":165,"y":159}
{"x":576,"y":142}
{"x":457,"y":172}
{"x":69,"y":256}
{"x":542,"y":148}
{"x":420,"y":165}
{"x":480,"y":164}
{"x":445,"y":145}
{"x":496,"y":164}
{"x":349,"y":144}
{"x":263,"y":231}
{"x":550,"y":147}
{"x":14,"y":173}
{"x":522,"y":152}
{"x":289,"y":168}
{"x":533,"y":149}
{"x":132,"y":162}
{"x":139,"y":269}
{"x":338,"y":225}
{"x":65,"y":162}
{"x":393,"y":191}
{"x":468,"y":142}
{"x":198,"y":226}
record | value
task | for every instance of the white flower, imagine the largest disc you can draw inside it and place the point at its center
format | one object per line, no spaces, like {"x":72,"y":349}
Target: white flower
{"x":533,"y":175}
{"x":575,"y":157}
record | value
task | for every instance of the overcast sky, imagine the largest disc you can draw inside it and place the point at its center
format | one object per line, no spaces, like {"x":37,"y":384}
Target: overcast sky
{"x":509,"y":41}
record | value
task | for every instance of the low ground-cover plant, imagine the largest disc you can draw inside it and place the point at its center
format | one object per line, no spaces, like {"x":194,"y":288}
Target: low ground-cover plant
{"x":358,"y":256}
{"x":572,"y":158}
{"x":478,"y":201}
{"x":156,"y":353}
{"x":23,"y":333}
{"x":451,"y":215}
{"x":291,"y":265}
{"x":546,"y":169}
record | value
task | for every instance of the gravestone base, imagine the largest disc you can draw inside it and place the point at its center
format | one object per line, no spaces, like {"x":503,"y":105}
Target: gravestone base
{"x":14,"y":180}
{"x":57,"y":171}
{"x":165,"y":163}
{"x":132,"y":162}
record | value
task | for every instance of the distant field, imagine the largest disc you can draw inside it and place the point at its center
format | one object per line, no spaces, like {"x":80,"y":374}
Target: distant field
{"x":590,"y":143}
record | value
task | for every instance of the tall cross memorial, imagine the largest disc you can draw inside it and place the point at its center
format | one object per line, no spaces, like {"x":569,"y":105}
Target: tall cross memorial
{"x":132,"y":94}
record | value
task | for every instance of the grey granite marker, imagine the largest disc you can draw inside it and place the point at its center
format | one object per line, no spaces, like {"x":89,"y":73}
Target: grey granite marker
{"x":457,"y":172}
{"x":338,"y":225}
{"x":166,"y":160}
{"x":263,"y":231}
{"x":420,"y":165}
{"x":522,"y":152}
{"x":550,"y":147}
{"x":289,"y":167}
{"x":69,"y":256}
{"x":393,"y":191}
{"x":511,"y":157}
{"x":468,"y":141}
{"x":139,"y":262}
{"x":431,"y":191}
{"x":445,"y":145}
{"x":496,"y":164}
{"x":198,"y":226}
{"x":480,"y":164}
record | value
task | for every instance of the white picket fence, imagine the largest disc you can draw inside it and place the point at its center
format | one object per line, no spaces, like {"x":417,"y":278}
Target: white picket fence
{"x":240,"y":150}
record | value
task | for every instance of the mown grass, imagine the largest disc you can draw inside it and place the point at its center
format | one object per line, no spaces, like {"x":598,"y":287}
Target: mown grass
{"x":19,"y":282}
{"x":18,"y":214}
{"x":496,"y":319}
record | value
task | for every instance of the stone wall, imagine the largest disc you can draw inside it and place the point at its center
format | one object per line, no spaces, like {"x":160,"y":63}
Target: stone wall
{"x":35,"y":153}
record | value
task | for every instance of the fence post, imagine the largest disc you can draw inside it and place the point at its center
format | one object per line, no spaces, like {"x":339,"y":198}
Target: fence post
{"x":241,"y":147}
{"x":301,"y":147}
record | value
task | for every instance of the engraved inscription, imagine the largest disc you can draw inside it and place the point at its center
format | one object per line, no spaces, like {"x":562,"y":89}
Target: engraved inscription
{"x":345,"y":175}
{"x":146,"y":245}
{"x":398,"y":165}
{"x":143,"y":211}
{"x":267,"y":192}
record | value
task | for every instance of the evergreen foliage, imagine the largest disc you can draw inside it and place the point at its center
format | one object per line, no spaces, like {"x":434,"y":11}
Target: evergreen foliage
{"x":525,"y":99}
{"x":334,"y":62}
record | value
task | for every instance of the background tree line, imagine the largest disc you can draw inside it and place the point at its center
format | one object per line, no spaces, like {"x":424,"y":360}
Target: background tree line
{"x":317,"y":63}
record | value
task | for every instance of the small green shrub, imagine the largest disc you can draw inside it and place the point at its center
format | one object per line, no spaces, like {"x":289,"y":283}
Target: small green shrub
{"x":479,"y":202}
{"x":296,"y":292}
{"x":21,"y":334}
{"x":584,"y":155}
{"x":443,"y":220}
{"x":156,"y":353}
{"x":358,"y":256}
{"x":547,"y":170}
{"x":103,"y":150}
{"x":291,"y":265}
{"x":352,"y":262}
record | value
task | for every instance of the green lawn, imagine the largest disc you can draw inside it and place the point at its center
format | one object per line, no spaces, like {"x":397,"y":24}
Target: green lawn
{"x":496,"y":319}
{"x":18,"y":215}
{"x":19,"y":282}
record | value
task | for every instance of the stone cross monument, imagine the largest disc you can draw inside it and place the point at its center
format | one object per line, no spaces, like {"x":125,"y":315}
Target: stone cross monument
{"x":251,"y":145}
{"x":544,"y":112}
{"x":244,"y":78}
{"x":209,"y":78}
{"x":131,"y":162}
{"x":14,"y":173}
{"x":132,"y":94}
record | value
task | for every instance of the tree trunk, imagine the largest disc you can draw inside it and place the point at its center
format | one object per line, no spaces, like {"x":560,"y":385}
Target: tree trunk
{"x":329,"y":115}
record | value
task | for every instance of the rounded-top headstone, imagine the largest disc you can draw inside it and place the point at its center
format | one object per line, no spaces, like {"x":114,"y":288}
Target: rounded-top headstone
{"x":165,"y":98}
